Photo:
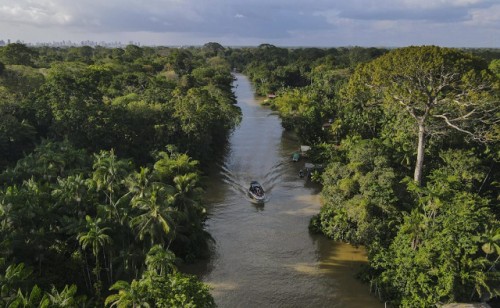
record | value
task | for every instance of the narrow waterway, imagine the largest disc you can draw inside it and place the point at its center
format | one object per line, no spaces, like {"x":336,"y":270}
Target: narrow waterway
{"x":264,"y":255}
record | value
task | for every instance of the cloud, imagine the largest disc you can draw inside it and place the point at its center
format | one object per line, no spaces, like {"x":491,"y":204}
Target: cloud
{"x":237,"y":20}
{"x":41,"y":12}
{"x":486,"y":17}
{"x":428,"y":10}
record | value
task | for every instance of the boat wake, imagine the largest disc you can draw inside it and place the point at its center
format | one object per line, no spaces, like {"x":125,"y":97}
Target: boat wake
{"x":239,"y":181}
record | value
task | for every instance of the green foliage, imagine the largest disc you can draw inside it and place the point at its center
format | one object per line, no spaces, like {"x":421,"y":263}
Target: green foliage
{"x":124,"y":213}
{"x":15,"y":136}
{"x":360,"y":200}
{"x":495,"y":67}
{"x":17,"y":290}
{"x":161,"y":286}
{"x":173,"y":290}
{"x":179,"y":290}
{"x":213,"y":49}
{"x":89,"y":220}
{"x":429,"y":244}
{"x":16,"y":277}
{"x":60,"y":206}
{"x":21,"y":80}
{"x":17,"y":53}
{"x":170,"y":165}
{"x":436,"y":255}
{"x":439,"y":89}
{"x":48,"y":161}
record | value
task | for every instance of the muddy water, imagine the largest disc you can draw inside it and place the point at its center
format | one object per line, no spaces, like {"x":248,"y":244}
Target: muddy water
{"x":264,"y":255}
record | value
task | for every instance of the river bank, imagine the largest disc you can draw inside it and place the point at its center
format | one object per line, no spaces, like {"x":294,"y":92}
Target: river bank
{"x":264,"y":255}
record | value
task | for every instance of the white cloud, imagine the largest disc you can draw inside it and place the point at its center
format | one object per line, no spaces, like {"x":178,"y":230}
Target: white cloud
{"x":239,"y":21}
{"x":486,"y":17}
{"x":40,"y":12}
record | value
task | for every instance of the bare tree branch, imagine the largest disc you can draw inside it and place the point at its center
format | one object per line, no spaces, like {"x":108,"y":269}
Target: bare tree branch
{"x":445,"y":118}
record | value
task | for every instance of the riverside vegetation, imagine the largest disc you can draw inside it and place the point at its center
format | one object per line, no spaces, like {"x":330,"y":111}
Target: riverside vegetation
{"x":410,"y":138}
{"x":101,"y":152}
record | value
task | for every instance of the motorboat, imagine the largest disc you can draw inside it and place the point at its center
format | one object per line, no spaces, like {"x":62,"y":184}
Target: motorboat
{"x":256,"y":192}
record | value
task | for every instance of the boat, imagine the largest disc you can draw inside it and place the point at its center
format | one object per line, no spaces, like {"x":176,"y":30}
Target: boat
{"x":295,"y":156}
{"x":256,"y":192}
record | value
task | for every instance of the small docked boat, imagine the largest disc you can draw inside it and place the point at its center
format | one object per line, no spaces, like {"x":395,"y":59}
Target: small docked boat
{"x":256,"y":192}
{"x":295,"y":157}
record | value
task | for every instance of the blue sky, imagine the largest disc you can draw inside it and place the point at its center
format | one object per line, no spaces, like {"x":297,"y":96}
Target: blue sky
{"x":391,"y":23}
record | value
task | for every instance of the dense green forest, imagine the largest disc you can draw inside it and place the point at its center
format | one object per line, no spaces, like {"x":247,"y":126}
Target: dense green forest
{"x":102,"y":153}
{"x":101,"y":159}
{"x":410,"y":138}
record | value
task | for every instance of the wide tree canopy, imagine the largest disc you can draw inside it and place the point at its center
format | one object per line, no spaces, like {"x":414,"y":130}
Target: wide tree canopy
{"x":437,"y":88}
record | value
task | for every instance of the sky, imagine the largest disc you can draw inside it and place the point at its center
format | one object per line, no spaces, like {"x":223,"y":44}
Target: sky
{"x":321,"y":23}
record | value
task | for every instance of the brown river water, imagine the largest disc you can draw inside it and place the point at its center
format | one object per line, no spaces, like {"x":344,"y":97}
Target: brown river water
{"x":264,"y":255}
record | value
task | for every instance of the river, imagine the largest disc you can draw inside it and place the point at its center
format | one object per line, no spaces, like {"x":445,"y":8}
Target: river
{"x":264,"y":255}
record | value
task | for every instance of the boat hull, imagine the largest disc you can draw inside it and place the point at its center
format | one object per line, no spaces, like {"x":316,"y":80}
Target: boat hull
{"x":256,"y":192}
{"x":257,"y":198}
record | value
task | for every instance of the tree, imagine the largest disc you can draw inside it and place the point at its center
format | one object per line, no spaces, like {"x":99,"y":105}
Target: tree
{"x":439,"y":88}
{"x":170,"y":165}
{"x":129,"y":295}
{"x":21,"y":81}
{"x":181,"y":61}
{"x":15,"y":277}
{"x":65,"y":298}
{"x":213,"y":49}
{"x":186,"y":191}
{"x":96,"y":238}
{"x":161,"y":261}
{"x":360,"y":196}
{"x":133,"y":52}
{"x":436,"y":255}
{"x":155,"y":218}
{"x":15,"y":137}
{"x":494,"y":67}
{"x":109,"y":175}
{"x":17,"y":53}
{"x":34,"y":298}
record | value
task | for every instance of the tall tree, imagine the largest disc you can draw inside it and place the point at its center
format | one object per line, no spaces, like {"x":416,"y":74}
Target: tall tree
{"x":439,"y":88}
{"x":109,"y":174}
{"x":155,"y":219}
{"x":96,"y":238}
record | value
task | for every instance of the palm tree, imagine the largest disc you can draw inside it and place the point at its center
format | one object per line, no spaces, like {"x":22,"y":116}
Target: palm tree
{"x":65,"y":298}
{"x":186,"y":192}
{"x":170,"y":165}
{"x":71,"y":190}
{"x":33,"y":299}
{"x":161,"y":260}
{"x":155,"y":220}
{"x":97,"y":239}
{"x":109,"y":174}
{"x":139,"y":182}
{"x":129,"y":295}
{"x":15,"y":275}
